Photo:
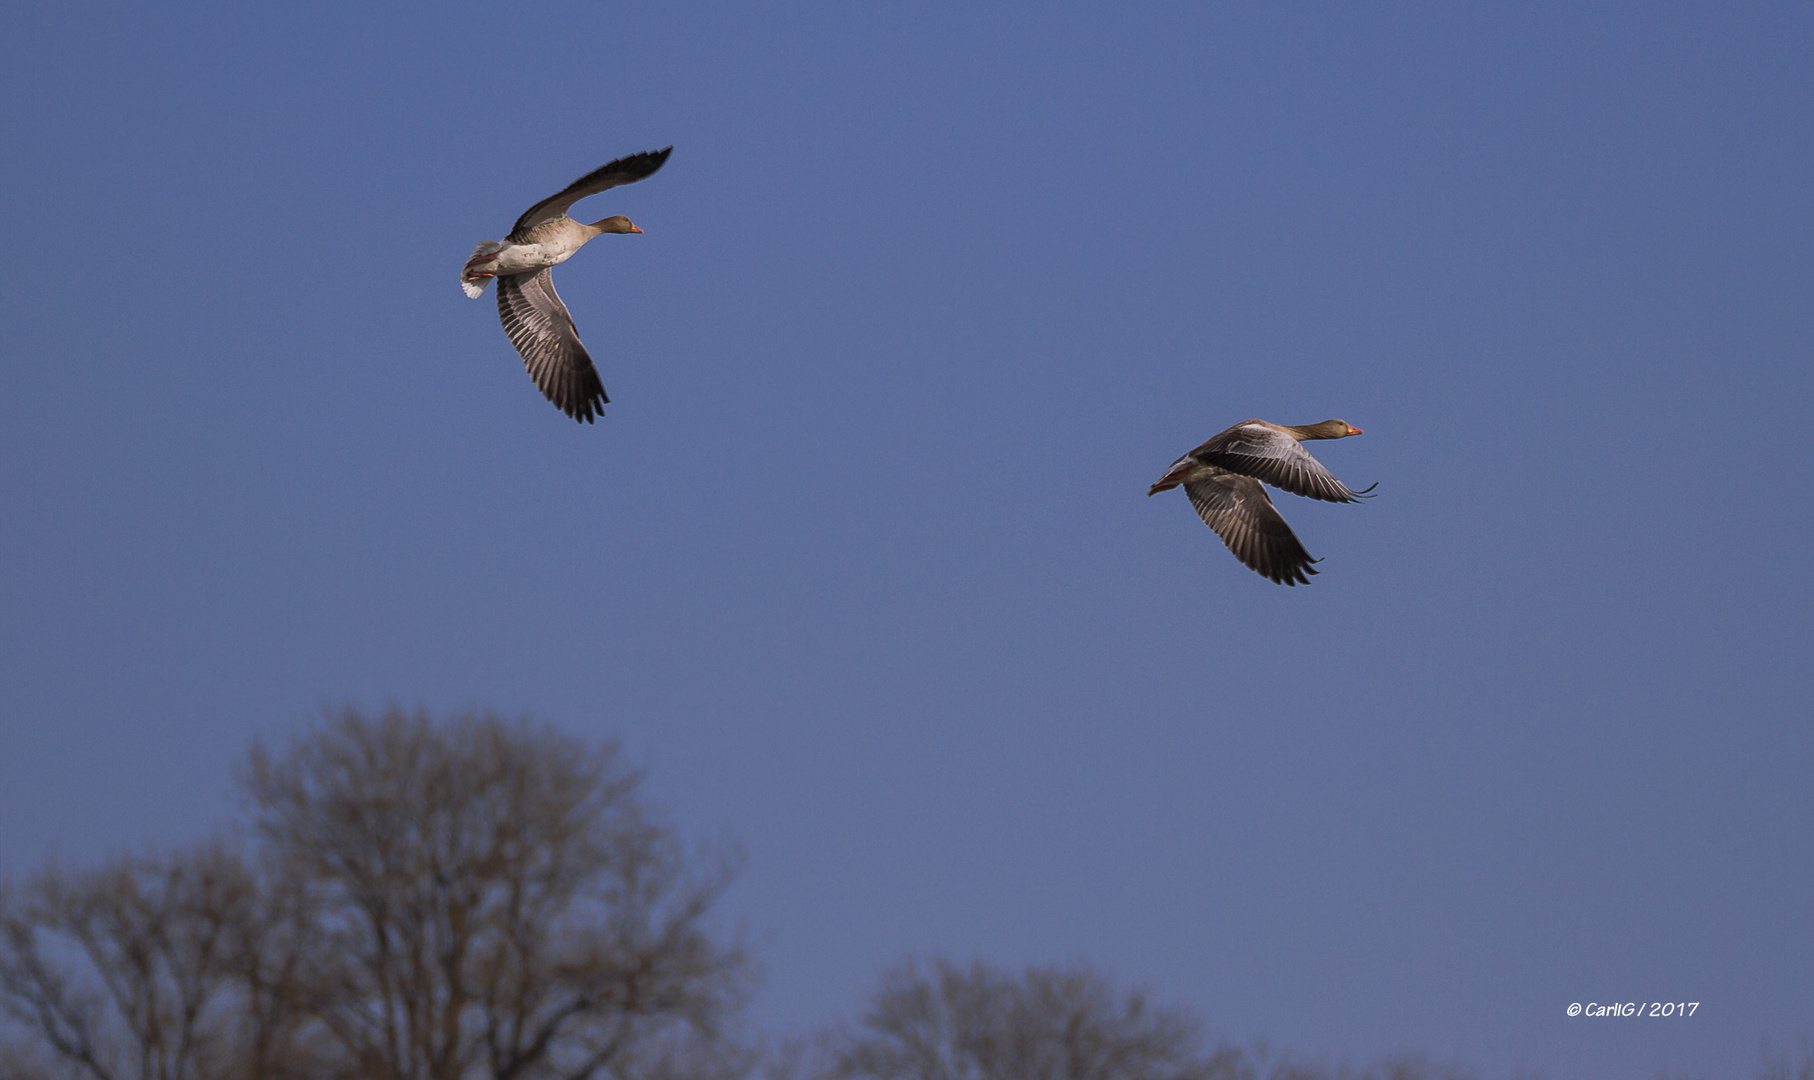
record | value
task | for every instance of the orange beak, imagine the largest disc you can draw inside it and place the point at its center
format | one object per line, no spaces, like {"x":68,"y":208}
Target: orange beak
{"x":1355,"y":431}
{"x":634,"y":229}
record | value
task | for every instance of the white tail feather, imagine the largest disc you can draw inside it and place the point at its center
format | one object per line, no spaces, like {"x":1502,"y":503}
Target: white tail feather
{"x":475,"y":286}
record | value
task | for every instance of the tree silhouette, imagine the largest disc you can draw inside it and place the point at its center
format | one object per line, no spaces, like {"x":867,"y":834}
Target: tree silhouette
{"x":155,"y":969}
{"x":979,"y":1023}
{"x":426,"y":900}
{"x":494,"y":899}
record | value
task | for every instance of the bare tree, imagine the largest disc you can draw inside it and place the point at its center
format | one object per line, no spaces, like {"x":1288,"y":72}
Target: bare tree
{"x":948,"y":1022}
{"x":495,"y":901}
{"x":1787,"y":1067}
{"x":1398,"y":1067}
{"x":979,"y":1023}
{"x":137,"y":970}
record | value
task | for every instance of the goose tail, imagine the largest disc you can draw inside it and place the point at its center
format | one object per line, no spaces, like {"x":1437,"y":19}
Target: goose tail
{"x":475,"y":275}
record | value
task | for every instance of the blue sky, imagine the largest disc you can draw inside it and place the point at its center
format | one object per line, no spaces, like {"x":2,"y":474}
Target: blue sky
{"x":859,"y":560}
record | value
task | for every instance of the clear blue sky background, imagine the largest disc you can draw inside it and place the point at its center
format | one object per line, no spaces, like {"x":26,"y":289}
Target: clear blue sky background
{"x":860,"y":561}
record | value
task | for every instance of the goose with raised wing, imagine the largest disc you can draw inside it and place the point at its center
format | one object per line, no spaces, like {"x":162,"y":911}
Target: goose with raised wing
{"x":1226,"y":477}
{"x":532,"y":312}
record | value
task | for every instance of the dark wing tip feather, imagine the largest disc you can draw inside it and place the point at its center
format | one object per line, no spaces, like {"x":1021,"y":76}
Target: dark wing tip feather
{"x":625,"y":170}
{"x":1295,"y":575}
{"x":578,"y":394}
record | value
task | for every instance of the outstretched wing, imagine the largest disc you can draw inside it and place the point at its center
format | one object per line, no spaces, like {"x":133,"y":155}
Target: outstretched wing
{"x":1259,"y":451}
{"x":625,"y":170}
{"x":543,"y":332}
{"x":1237,"y":508}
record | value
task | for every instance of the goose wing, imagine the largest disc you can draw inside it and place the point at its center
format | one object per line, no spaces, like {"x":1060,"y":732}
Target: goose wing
{"x":1237,"y":508}
{"x":543,"y":333}
{"x":625,"y":170}
{"x":1265,"y":453}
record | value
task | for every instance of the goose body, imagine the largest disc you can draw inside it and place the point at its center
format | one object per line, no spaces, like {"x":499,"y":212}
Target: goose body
{"x":533,"y":315}
{"x":1225,"y":479}
{"x":553,"y":243}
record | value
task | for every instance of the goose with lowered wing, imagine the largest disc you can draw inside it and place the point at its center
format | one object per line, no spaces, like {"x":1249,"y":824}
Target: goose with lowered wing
{"x":1225,"y":479}
{"x":532,"y":312}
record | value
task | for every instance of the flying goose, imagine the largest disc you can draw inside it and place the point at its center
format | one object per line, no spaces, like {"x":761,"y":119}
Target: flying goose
{"x":532,"y":312}
{"x":1223,"y":478}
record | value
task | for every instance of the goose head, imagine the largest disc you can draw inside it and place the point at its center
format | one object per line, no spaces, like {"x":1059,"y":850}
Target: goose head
{"x":1328,"y":429}
{"x":616,"y":223}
